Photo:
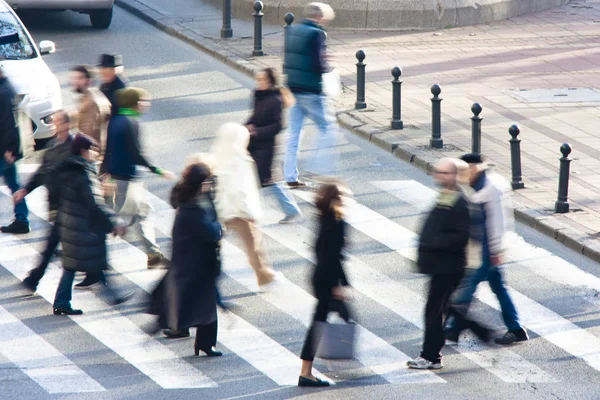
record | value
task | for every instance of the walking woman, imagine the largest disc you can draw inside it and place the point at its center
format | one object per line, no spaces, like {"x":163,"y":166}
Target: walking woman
{"x":237,"y":198}
{"x":264,"y":125}
{"x":187,"y":295}
{"x":84,"y":220}
{"x":329,"y":279}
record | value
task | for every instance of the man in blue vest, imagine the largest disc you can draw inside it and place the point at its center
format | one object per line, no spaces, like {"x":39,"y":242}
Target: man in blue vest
{"x":305,"y":64}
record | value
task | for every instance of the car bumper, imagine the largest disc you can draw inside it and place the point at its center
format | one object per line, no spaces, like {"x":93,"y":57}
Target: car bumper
{"x":60,"y":4}
{"x":37,"y":116}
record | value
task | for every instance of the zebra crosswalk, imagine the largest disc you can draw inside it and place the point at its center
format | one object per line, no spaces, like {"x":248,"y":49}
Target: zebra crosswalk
{"x":382,"y":275}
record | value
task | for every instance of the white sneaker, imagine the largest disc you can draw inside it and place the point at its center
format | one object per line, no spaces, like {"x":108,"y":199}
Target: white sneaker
{"x":273,"y":284}
{"x":421,"y":363}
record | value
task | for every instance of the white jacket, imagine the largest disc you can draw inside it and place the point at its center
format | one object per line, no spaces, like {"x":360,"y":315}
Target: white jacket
{"x":496,"y":198}
{"x":236,"y":194}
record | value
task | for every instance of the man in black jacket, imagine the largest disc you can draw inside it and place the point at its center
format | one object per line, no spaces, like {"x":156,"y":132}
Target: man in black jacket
{"x":111,"y":82}
{"x":58,"y":150}
{"x":10,"y":152}
{"x":442,"y":254}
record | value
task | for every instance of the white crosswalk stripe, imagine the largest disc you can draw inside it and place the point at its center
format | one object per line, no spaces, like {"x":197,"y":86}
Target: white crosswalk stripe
{"x":378,"y":357}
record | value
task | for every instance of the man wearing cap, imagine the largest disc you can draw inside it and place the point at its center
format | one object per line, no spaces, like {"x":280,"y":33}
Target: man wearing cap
{"x":492,"y":195}
{"x":111,"y":82}
{"x":123,"y":155}
{"x":10,"y":152}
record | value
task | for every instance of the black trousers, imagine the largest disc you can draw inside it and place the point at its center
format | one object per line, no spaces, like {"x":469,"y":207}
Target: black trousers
{"x":206,"y":336}
{"x":325,"y":305}
{"x":52,"y":242}
{"x":437,"y":309}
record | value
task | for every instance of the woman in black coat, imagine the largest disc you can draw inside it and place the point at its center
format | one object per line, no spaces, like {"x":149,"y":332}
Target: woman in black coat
{"x":329,"y":277}
{"x":84,"y":221}
{"x":264,"y":125}
{"x":187,"y":295}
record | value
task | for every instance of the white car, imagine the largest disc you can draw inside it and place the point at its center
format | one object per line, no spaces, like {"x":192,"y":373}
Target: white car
{"x":37,"y":89}
{"x":100,"y":11}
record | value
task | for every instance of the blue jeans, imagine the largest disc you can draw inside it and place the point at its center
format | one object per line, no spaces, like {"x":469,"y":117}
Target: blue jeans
{"x":64,"y":292}
{"x":493,"y":275}
{"x":286,"y":201}
{"x":9,"y":172}
{"x":313,"y":106}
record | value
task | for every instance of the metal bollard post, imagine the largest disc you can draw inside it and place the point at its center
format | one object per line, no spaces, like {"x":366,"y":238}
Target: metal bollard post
{"x":515,"y":158}
{"x":476,"y":128}
{"x":360,"y":81}
{"x":436,"y":141}
{"x":289,"y":19}
{"x":258,"y":14}
{"x":226,"y":31}
{"x":562,"y":205}
{"x":397,"y":99}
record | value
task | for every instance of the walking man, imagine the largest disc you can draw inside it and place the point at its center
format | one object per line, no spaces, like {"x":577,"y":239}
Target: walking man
{"x":111,"y":82}
{"x":58,"y":151}
{"x":492,"y":195}
{"x":442,"y":254}
{"x":305,"y":64}
{"x":10,"y":152}
{"x":123,"y":155}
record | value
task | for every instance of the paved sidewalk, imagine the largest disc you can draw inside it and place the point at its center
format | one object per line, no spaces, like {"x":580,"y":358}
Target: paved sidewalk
{"x":557,"y":49}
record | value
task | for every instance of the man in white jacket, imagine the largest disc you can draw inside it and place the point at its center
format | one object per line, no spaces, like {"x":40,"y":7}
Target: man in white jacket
{"x":492,"y":195}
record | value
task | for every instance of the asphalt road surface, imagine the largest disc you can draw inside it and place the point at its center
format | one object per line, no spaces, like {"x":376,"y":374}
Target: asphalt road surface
{"x":105,"y":353}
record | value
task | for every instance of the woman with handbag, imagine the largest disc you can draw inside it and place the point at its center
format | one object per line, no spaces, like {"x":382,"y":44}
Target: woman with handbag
{"x":264,"y":125}
{"x":187,"y":295}
{"x":329,"y":279}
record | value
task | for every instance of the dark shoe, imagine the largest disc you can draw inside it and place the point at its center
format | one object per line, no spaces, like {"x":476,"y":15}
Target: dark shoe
{"x":209,"y":353}
{"x":122,"y":299}
{"x":305,"y":382}
{"x":16,"y":228}
{"x":296,"y":185}
{"x":66,"y":311}
{"x":173,"y":334}
{"x":484,"y":334}
{"x":511,"y":337}
{"x":452,"y":336}
{"x":88,"y":281}
{"x":29,"y":284}
{"x":154,"y":259}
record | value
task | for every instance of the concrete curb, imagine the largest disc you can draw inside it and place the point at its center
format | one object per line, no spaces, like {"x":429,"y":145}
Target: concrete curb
{"x":550,"y":226}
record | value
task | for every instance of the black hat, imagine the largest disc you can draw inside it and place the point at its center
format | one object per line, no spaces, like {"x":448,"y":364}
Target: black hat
{"x":110,"y":60}
{"x":472,"y":158}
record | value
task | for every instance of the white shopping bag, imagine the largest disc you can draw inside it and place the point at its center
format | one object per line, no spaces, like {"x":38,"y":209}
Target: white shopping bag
{"x":133,"y":199}
{"x":332,"y":84}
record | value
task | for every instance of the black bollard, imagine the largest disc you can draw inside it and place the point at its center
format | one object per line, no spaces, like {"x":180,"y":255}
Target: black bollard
{"x":258,"y":14}
{"x":397,"y":99}
{"x":360,"y":81}
{"x":562,"y":205}
{"x":515,"y":157}
{"x":436,"y":141}
{"x":476,"y":129}
{"x":226,"y":31}
{"x":289,"y":20}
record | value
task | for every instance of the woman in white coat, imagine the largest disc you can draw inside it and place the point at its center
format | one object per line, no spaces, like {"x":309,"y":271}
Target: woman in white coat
{"x":237,"y":198}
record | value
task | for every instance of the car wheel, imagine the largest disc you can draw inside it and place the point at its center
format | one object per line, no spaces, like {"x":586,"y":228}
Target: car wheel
{"x":101,"y":19}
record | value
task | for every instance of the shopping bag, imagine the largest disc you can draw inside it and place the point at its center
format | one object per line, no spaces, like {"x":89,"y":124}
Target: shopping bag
{"x":133,"y":199}
{"x":336,"y":340}
{"x":332,"y":84}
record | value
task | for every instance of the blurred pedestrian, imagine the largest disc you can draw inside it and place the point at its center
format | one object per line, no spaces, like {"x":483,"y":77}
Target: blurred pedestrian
{"x":442,"y":254}
{"x":237,"y":198}
{"x":111,"y":81}
{"x":306,"y":62}
{"x":10,"y":152}
{"x":264,"y":125}
{"x":329,"y":280}
{"x":187,"y":295}
{"x":123,"y":155}
{"x":84,"y":220}
{"x":495,"y":219}
{"x":57,"y":151}
{"x":93,"y":108}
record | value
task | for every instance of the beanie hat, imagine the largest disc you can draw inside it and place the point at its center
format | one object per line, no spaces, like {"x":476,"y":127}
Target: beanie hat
{"x":472,"y":158}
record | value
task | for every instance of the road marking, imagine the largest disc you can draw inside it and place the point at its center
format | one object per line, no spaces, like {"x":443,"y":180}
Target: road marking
{"x":148,"y":355}
{"x":409,"y":305}
{"x":41,"y":361}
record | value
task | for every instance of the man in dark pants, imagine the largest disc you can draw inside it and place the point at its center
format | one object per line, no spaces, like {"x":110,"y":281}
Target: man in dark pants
{"x":111,"y":82}
{"x":58,"y":150}
{"x":442,"y":254}
{"x":10,"y":152}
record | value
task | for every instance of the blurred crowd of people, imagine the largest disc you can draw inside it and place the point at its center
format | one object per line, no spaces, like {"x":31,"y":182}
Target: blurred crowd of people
{"x":91,"y":172}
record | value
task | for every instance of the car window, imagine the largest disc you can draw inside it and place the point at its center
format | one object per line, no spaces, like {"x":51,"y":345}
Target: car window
{"x":14,"y":43}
